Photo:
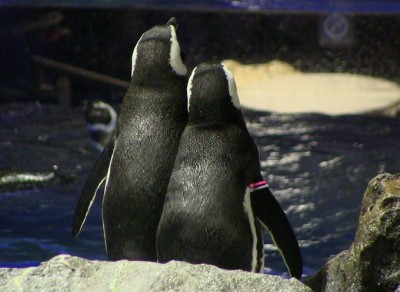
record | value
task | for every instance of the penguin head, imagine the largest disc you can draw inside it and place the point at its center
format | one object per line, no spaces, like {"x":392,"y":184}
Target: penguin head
{"x":158,"y":53}
{"x":212,"y":96}
{"x":100,"y":116}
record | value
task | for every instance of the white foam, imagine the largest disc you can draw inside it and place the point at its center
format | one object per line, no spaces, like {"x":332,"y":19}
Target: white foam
{"x":175,"y":55}
{"x":97,"y":146}
{"x":26,"y":177}
{"x":232,"y":87}
{"x":189,"y":88}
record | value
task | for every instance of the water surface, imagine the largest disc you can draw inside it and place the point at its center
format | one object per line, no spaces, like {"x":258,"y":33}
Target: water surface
{"x":318,"y":168}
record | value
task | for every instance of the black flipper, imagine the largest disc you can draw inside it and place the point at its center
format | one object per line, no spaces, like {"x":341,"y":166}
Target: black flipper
{"x":268,"y":211}
{"x":93,"y":182}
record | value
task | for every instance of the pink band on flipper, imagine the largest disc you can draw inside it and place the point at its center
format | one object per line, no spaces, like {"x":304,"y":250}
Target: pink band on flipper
{"x":259,"y":185}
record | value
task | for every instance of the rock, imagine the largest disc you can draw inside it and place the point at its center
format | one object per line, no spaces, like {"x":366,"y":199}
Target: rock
{"x":68,"y":273}
{"x":372,"y":263}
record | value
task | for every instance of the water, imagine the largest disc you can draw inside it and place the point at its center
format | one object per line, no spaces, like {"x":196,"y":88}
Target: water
{"x":318,"y":168}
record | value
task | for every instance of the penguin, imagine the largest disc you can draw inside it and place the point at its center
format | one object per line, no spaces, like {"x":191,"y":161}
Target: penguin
{"x":137,"y":162}
{"x":101,"y":119}
{"x":217,"y":202}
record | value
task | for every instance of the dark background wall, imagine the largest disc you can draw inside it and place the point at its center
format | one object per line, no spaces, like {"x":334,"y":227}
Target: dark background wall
{"x":103,"y":40}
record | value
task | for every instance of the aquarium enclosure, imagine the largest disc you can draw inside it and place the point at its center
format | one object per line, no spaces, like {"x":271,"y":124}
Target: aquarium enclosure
{"x":318,"y":84}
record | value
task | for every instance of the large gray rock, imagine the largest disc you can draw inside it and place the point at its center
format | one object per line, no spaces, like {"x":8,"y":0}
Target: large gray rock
{"x":372,"y":263}
{"x":68,"y":273}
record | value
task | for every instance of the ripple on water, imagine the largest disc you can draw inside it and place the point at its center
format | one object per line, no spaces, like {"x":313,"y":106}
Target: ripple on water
{"x":318,"y":168}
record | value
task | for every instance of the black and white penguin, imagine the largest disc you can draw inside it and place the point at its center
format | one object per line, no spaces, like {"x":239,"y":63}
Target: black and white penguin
{"x":101,"y":119}
{"x":217,"y":201}
{"x":137,"y":162}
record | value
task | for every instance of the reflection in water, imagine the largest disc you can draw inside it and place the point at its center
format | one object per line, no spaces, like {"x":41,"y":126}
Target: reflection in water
{"x":318,"y":168}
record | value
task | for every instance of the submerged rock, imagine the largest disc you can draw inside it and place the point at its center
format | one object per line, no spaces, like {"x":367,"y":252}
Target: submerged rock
{"x":372,"y":263}
{"x":68,"y":273}
{"x":11,"y":181}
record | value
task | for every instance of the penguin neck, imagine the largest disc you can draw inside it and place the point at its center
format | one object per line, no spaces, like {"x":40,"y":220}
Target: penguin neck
{"x":143,"y":97}
{"x":212,"y":116}
{"x":151,"y":80}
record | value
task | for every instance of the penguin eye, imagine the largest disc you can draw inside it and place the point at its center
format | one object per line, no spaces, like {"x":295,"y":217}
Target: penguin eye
{"x":183,"y":56}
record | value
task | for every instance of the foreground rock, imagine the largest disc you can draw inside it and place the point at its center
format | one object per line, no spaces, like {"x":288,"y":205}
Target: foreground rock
{"x":67,"y":273}
{"x":372,"y":263}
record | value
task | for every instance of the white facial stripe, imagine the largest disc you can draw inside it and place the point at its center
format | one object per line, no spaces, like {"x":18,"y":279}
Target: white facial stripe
{"x":108,"y":128}
{"x":189,"y":88}
{"x":134,"y":56}
{"x":232,"y":87}
{"x":175,"y":55}
{"x":249,"y":212}
{"x":105,"y":192}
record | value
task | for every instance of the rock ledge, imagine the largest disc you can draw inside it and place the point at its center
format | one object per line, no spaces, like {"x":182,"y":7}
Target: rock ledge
{"x":68,"y":273}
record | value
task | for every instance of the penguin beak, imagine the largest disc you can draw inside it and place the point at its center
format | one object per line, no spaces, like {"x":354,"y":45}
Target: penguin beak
{"x":173,"y":21}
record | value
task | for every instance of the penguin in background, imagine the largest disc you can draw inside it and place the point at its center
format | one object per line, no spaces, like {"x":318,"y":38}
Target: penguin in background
{"x":217,"y":201}
{"x":101,"y":120}
{"x":137,"y":162}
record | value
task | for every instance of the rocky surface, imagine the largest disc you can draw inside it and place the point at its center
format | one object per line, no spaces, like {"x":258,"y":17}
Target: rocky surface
{"x":372,"y":263}
{"x":68,"y":273}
